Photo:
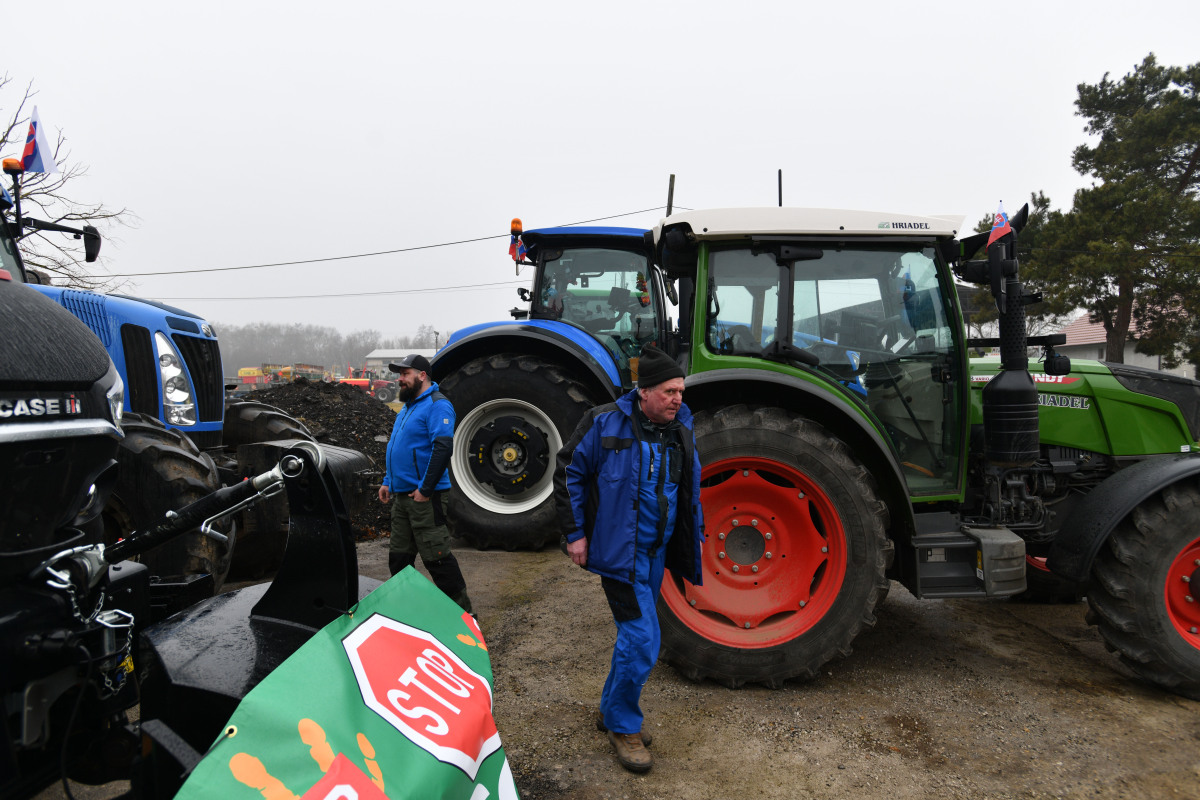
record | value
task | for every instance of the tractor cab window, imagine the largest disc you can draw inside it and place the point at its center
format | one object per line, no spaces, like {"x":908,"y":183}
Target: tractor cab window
{"x":608,"y":293}
{"x":878,"y":320}
{"x":8,"y":256}
{"x":743,"y":302}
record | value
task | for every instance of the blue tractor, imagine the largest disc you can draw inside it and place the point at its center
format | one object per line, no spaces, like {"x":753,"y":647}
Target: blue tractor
{"x":183,"y":438}
{"x":519,"y":386}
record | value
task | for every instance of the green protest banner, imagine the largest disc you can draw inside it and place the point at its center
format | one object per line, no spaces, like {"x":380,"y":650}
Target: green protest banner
{"x":393,"y":699}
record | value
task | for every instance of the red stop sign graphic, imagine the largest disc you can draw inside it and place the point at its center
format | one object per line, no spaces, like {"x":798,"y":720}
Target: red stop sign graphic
{"x":425,"y":691}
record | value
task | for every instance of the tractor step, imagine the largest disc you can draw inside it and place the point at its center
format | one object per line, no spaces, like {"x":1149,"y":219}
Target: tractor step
{"x":949,"y":559}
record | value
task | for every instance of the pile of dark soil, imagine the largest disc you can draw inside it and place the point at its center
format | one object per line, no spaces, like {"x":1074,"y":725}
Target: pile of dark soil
{"x":342,"y":415}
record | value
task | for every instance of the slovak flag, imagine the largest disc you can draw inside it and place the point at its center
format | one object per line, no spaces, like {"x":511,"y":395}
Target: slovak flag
{"x":1000,"y":226}
{"x":522,"y":250}
{"x":38,"y":157}
{"x":512,"y":248}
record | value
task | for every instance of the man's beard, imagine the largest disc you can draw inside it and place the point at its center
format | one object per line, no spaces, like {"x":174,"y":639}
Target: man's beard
{"x":407,"y":392}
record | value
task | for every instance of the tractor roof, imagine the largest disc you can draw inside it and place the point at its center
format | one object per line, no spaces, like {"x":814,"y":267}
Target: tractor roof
{"x":633,"y":239}
{"x":583,"y":230}
{"x":732,"y":223}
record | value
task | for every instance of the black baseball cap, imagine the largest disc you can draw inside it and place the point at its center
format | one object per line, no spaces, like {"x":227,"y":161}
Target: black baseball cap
{"x":410,"y":361}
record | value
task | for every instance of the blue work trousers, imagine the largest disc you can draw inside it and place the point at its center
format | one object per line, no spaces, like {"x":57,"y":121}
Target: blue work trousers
{"x":636,"y":650}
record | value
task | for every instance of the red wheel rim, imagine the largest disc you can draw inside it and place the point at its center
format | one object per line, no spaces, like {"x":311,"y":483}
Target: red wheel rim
{"x":783,"y":534}
{"x":1183,"y":583}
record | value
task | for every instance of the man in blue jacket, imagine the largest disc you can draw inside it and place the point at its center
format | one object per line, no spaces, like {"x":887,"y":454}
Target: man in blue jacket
{"x":627,"y":489}
{"x":417,"y":457}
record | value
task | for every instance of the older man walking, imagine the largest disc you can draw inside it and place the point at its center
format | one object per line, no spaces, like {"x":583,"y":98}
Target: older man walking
{"x":627,"y":489}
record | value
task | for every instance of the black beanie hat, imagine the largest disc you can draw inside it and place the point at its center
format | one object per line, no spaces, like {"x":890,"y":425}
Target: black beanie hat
{"x":655,"y":366}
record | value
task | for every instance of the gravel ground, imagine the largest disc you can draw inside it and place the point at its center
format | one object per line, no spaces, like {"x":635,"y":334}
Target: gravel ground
{"x":943,"y":699}
{"x":986,"y":700}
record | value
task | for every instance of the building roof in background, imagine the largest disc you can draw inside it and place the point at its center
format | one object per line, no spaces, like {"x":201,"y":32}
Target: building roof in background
{"x":1083,"y":331}
{"x":385,"y":355}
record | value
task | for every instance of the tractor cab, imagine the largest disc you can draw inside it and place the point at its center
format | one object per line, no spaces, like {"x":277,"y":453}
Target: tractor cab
{"x":600,"y":280}
{"x":869,"y":310}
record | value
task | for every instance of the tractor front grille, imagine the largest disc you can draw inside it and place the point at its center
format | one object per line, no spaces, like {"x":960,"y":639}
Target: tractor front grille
{"x":203,"y":359}
{"x":141,"y":371}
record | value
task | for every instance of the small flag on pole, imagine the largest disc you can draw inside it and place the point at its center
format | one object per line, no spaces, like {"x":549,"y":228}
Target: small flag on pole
{"x":522,"y":250}
{"x":1000,"y":225}
{"x":38,"y":157}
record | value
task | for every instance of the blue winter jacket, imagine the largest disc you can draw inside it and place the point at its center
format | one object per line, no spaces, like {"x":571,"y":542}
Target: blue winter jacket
{"x":596,"y":492}
{"x":427,"y":420}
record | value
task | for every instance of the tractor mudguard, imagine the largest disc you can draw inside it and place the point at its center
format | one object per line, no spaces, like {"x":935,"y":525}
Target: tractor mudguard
{"x":558,"y":342}
{"x":1085,"y":531}
{"x":759,"y":387}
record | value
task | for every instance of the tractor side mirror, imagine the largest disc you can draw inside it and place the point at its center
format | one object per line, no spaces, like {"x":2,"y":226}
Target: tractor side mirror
{"x":91,"y":244}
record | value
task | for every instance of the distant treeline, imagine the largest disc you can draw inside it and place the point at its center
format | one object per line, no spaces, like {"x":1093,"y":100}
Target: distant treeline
{"x":272,"y":343}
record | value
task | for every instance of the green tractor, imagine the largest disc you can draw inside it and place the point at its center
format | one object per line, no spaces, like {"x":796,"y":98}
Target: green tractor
{"x":848,"y":441}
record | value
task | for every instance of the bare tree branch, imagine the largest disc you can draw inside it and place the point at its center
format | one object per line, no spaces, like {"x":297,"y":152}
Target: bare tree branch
{"x":47,"y":196}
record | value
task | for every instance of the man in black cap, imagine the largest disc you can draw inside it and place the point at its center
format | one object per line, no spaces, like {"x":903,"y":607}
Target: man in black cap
{"x":418,"y":455}
{"x":627,"y":489}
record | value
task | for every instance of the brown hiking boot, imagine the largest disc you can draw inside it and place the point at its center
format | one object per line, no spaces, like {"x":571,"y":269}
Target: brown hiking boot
{"x":647,"y":738}
{"x":631,"y":753}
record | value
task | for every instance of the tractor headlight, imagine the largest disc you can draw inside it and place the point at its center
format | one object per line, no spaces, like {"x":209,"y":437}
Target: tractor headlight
{"x":179,"y":405}
{"x":116,"y":401}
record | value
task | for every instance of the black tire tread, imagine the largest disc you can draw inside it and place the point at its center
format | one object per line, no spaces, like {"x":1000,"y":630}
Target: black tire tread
{"x":248,"y":422}
{"x":1125,"y":594}
{"x":181,"y":474}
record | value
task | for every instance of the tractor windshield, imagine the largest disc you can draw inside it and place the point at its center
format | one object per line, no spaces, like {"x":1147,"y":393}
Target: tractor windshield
{"x":607,"y":292}
{"x":877,"y":318}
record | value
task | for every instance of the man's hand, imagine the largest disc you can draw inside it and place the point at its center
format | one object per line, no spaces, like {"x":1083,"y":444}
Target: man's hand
{"x":417,"y":497}
{"x":577,"y":550}
{"x":385,"y":494}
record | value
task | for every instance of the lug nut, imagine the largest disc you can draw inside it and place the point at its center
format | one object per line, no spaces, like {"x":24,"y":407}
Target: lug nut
{"x":747,"y":626}
{"x":768,"y":554}
{"x":825,"y":549}
{"x":735,"y":523}
{"x":721,"y":536}
{"x":721,"y":554}
{"x":736,"y":568}
{"x":1188,"y":598}
{"x":1187,"y":578}
{"x":746,"y":474}
{"x":691,"y":602}
{"x":754,"y":568}
{"x":754,"y":522}
{"x":767,"y":535}
{"x":803,"y":603}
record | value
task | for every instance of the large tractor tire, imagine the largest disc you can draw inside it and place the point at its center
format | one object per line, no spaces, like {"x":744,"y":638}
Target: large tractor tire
{"x":263,"y":526}
{"x":794,"y":558}
{"x":1143,"y":594}
{"x":161,"y":470}
{"x":514,"y":413}
{"x":250,"y":422}
{"x":385,"y":394}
